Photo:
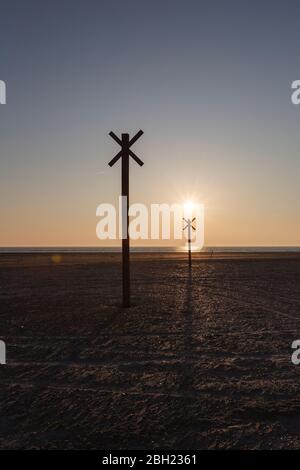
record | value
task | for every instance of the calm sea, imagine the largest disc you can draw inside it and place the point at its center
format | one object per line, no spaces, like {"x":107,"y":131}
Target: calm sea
{"x":207,"y":249}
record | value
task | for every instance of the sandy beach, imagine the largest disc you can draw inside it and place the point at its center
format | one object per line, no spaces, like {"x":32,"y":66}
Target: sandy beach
{"x":201,"y":360}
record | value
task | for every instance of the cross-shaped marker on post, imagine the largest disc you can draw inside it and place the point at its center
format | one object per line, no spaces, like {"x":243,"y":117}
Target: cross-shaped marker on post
{"x":125,"y":153}
{"x":190,"y":227}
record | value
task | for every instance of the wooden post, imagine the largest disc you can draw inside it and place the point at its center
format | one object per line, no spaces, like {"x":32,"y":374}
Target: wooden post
{"x":190,"y":227}
{"x":125,"y":153}
{"x":125,"y":215}
{"x":189,"y":242}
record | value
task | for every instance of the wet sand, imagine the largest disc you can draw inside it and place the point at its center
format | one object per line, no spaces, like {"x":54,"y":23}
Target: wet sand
{"x":201,"y":360}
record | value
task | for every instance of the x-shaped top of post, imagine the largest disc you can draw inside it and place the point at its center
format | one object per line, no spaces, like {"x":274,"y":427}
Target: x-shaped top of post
{"x":189,"y":223}
{"x":126,"y":144}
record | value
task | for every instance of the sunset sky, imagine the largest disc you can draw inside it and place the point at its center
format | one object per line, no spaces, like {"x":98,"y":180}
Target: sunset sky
{"x":208,"y":82}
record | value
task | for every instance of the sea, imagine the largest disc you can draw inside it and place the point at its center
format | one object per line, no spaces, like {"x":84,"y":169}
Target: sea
{"x":205,"y":249}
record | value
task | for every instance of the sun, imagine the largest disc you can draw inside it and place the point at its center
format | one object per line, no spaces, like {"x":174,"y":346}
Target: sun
{"x":188,"y":208}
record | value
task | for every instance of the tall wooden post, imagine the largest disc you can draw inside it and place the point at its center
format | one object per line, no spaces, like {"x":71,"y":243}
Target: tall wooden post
{"x":125,"y":153}
{"x":190,"y":227}
{"x":189,"y":242}
{"x":125,"y":215}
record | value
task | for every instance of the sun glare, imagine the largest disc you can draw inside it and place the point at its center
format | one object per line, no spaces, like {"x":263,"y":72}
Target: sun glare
{"x":188,"y":209}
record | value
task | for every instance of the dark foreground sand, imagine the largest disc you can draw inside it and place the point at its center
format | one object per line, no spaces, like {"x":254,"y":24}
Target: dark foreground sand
{"x":196,"y":362}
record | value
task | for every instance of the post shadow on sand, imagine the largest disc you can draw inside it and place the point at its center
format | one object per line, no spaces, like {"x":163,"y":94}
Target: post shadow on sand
{"x":186,"y":370}
{"x":188,"y":307}
{"x":188,"y":327}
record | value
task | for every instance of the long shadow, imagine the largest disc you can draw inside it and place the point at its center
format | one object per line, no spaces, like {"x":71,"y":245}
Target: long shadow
{"x":186,"y":371}
{"x":191,"y":422}
{"x":187,"y":377}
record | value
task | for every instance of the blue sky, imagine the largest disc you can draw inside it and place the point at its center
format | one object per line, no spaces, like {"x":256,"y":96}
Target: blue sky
{"x":208,"y":82}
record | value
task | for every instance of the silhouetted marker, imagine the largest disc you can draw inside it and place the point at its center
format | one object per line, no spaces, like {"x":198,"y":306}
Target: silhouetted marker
{"x":125,"y":153}
{"x":190,"y":227}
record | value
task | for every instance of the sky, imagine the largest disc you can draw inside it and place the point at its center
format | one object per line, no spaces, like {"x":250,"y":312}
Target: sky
{"x":209,"y":83}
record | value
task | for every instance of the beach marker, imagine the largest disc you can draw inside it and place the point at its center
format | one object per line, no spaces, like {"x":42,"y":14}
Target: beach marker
{"x":125,"y":153}
{"x":190,"y":227}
